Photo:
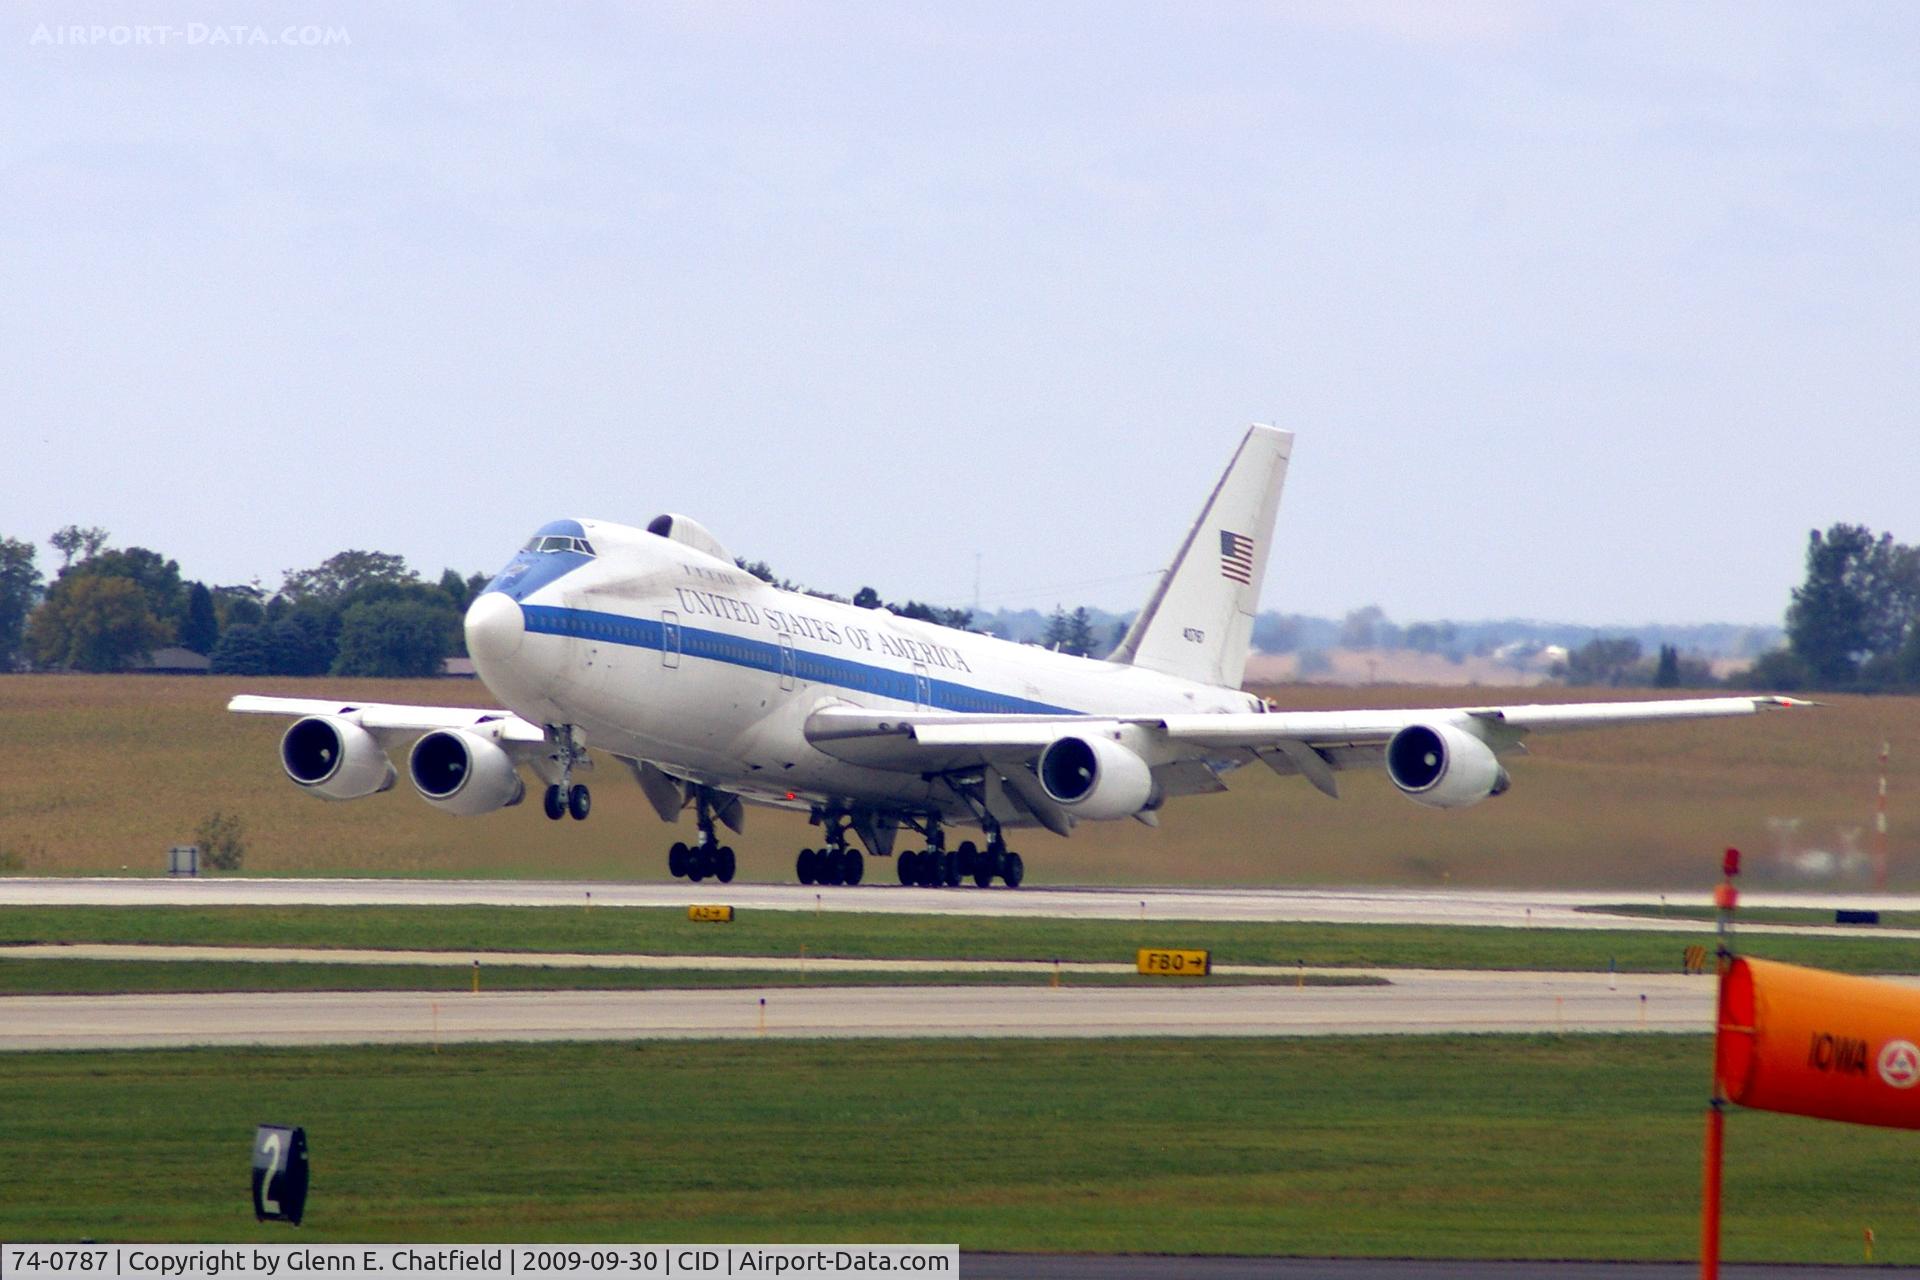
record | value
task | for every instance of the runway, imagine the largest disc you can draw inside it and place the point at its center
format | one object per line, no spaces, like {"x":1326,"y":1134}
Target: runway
{"x":1494,"y":908}
{"x":1415,"y":1002}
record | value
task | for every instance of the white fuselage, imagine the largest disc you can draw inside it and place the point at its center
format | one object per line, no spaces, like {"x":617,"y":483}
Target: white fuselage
{"x":663,"y":653}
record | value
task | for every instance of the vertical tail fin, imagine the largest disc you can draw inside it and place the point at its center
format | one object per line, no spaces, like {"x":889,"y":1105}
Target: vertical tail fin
{"x":1199,"y":621}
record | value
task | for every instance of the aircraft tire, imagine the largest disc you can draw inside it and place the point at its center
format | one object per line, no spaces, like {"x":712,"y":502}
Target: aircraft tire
{"x":724,"y":865}
{"x":930,"y":876}
{"x":677,"y":859}
{"x":982,"y":874}
{"x":903,"y":863}
{"x":579,"y":802}
{"x":835,"y":864}
{"x":950,"y":870}
{"x":966,"y":854}
{"x":807,"y":866}
{"x":697,"y":865}
{"x":556,"y":803}
{"x":856,"y":866}
{"x":1014,"y":871}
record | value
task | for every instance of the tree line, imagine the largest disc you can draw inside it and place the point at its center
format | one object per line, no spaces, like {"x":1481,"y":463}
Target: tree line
{"x":357,"y":613}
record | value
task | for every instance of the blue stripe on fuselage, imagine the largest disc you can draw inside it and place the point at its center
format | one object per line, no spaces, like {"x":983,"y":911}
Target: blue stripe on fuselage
{"x":761,"y":655}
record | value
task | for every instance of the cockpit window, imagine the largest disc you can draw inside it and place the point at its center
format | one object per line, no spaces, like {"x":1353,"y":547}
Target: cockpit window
{"x":558,"y":542}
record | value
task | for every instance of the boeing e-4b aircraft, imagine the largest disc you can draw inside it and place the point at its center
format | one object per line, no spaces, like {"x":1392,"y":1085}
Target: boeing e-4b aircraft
{"x":713,"y":688}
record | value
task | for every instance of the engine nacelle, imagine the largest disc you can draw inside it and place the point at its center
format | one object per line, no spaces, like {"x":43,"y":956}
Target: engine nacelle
{"x":1095,"y":777}
{"x":334,"y":758}
{"x":1443,"y":766}
{"x":464,"y":773}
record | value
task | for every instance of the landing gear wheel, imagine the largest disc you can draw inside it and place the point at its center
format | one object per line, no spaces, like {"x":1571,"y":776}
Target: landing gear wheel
{"x":1014,"y":871}
{"x":904,"y":864}
{"x":982,"y":872}
{"x":724,"y":865}
{"x":579,"y":801}
{"x":677,"y":859}
{"x":807,"y":866}
{"x":950,"y":870}
{"x":556,"y":804}
{"x":965,"y":856}
{"x":699,"y":863}
{"x":856,"y":866}
{"x":928,"y":865}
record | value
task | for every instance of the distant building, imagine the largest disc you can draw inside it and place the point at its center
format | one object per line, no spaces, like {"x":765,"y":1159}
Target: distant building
{"x":172,"y":661}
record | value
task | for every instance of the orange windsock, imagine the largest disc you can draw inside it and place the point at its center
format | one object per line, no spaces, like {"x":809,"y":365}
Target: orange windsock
{"x":1819,"y":1044}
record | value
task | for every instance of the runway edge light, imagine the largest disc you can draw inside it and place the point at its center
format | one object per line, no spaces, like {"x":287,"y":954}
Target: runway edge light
{"x":279,"y":1173}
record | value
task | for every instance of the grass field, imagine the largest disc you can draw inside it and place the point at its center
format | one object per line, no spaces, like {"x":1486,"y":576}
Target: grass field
{"x":1588,"y":1147}
{"x":854,"y":934}
{"x":104,"y":772}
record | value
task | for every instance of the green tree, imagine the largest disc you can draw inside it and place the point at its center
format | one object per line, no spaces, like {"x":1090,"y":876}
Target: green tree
{"x":19,"y":590}
{"x":301,"y":641}
{"x":1666,"y":675}
{"x":201,"y":629}
{"x":1079,"y":641}
{"x":245,"y":649}
{"x":157,"y":577}
{"x":94,"y":623}
{"x":394,"y":638}
{"x":1055,"y":636}
{"x":74,"y":542}
{"x":1858,"y":600}
{"x":234,"y":606}
{"x":1603,"y":660}
{"x":345,"y":574}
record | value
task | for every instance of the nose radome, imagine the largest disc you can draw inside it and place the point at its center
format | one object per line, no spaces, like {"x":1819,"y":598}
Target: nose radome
{"x":495,"y":627}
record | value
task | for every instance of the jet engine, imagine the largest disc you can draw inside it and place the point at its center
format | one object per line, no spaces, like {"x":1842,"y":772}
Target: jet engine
{"x":1443,"y":766}
{"x":464,"y":773}
{"x":1095,"y":777}
{"x":335,"y":758}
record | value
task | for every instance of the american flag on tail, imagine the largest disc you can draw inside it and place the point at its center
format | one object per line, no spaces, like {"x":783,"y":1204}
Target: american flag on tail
{"x":1236,"y":557}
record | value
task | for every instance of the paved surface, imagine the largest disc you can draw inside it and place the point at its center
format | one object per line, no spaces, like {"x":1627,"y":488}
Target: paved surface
{"x":584,"y":960}
{"x":1497,"y":908}
{"x":1415,"y":1002}
{"x":1015,"y":1266}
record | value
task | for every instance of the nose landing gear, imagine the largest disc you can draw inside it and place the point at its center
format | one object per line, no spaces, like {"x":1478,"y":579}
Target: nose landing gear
{"x":567,"y":796}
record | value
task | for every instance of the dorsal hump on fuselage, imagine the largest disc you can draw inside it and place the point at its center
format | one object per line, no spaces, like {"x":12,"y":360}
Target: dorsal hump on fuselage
{"x":687,"y":530}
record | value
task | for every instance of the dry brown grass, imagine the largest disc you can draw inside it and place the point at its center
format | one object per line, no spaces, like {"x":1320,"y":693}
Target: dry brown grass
{"x":101,"y":773}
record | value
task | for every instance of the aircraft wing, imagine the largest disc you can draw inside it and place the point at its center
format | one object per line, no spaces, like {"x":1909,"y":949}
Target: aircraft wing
{"x":384,"y":719}
{"x":1311,"y":743}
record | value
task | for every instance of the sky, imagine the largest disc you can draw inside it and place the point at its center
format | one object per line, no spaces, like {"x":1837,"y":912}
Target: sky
{"x":1581,"y":312}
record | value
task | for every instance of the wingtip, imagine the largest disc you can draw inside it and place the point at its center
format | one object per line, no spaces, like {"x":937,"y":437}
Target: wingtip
{"x":1784,"y":702}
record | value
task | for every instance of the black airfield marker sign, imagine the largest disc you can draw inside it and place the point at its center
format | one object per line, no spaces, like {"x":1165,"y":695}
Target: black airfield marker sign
{"x":279,"y":1173}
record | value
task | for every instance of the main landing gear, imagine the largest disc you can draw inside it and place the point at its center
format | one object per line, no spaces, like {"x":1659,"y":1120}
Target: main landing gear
{"x":707,"y":857}
{"x":838,"y":863}
{"x":935,"y":866}
{"x":567,"y":796}
{"x":562,"y":800}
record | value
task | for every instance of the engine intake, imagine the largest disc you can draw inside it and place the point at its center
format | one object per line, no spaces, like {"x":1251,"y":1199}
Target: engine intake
{"x":334,"y":758}
{"x":1443,"y":766}
{"x":1095,"y":777}
{"x":463,"y":773}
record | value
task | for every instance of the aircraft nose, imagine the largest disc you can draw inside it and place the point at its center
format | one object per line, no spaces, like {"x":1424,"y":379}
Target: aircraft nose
{"x":495,"y":627}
